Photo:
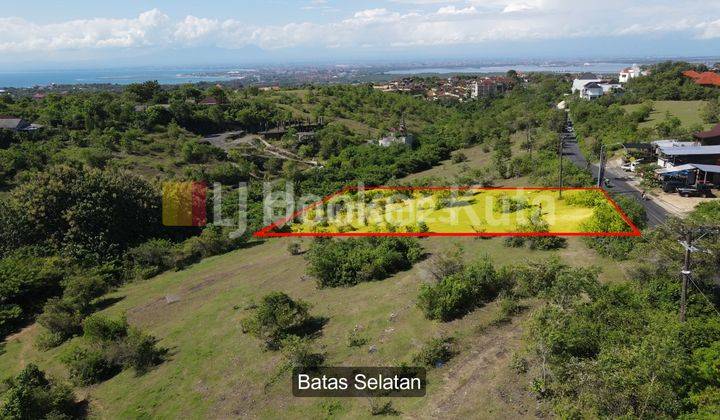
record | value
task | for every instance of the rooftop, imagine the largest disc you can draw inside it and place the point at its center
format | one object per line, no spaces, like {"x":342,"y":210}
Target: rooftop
{"x":715,"y":132}
{"x":687,"y":151}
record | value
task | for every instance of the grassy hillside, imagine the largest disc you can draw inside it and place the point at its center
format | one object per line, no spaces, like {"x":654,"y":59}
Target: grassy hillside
{"x":687,"y":111}
{"x":215,"y":370}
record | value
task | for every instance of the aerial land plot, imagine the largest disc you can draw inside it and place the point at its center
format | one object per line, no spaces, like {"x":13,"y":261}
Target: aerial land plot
{"x":466,"y":211}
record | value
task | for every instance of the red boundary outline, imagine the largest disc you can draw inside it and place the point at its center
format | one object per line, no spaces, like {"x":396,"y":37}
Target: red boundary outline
{"x":266,"y":232}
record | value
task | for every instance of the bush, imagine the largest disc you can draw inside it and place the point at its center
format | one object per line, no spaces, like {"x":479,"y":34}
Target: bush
{"x":355,"y":339}
{"x":275,"y":318}
{"x":348,"y":262}
{"x":152,"y":257}
{"x":509,"y":307}
{"x":31,"y":395}
{"x":435,"y":352}
{"x":534,"y":278}
{"x":212,"y":241}
{"x":546,"y":242}
{"x":446,"y":263}
{"x":294,"y":248}
{"x":138,"y":351}
{"x":62,"y":319}
{"x":459,"y":293}
{"x":89,"y":365}
{"x":459,"y":157}
{"x":26,"y":282}
{"x":300,"y":354}
{"x":510,"y":205}
{"x":113,"y":346}
{"x":100,"y":328}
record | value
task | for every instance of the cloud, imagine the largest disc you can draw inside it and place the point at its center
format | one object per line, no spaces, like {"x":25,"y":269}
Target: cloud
{"x":452,"y":10}
{"x":709,"y":30}
{"x":518,"y":7}
{"x":18,"y":35}
{"x":466,"y":22}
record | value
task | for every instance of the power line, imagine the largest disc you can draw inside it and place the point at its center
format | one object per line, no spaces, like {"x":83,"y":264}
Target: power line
{"x":712,"y":305}
{"x":687,"y":243}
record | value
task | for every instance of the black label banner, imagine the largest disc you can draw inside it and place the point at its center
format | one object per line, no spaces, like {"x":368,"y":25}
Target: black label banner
{"x":360,"y":382}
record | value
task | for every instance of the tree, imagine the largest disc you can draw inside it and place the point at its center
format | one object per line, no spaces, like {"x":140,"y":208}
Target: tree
{"x":31,"y":395}
{"x":86,"y":212}
{"x":144,"y":92}
{"x":275,"y":318}
{"x":710,"y":111}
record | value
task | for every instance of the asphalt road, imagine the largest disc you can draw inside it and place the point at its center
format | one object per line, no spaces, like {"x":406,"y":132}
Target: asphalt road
{"x":618,"y":180}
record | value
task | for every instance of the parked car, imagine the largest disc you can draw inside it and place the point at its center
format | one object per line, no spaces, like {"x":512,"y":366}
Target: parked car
{"x":695,"y":191}
{"x":631,"y":166}
{"x":671,"y":185}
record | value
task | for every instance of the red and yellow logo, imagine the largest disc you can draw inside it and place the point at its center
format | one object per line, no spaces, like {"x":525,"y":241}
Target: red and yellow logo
{"x":183,"y":204}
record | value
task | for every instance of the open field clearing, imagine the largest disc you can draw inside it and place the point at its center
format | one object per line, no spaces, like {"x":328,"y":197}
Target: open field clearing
{"x":468,"y":211}
{"x":687,"y":111}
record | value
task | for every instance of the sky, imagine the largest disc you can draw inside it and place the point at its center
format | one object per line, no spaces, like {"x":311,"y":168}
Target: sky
{"x":46,"y":34}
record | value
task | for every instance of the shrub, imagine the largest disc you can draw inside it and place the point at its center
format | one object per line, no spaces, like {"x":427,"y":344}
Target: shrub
{"x":509,"y":307}
{"x":276,"y":317}
{"x":113,"y":346}
{"x":459,"y":293}
{"x":546,"y":242}
{"x":62,"y":319}
{"x":26,"y":282}
{"x":355,"y":339}
{"x":435,"y":352}
{"x":446,"y":263}
{"x":227,"y":174}
{"x":510,"y":205}
{"x":89,"y":365}
{"x":606,"y":218}
{"x":300,"y":354}
{"x":533,"y":278}
{"x":137,"y":350}
{"x":31,"y":395}
{"x":152,"y":257}
{"x":459,"y":157}
{"x":348,"y":262}
{"x":294,"y":248}
{"x":100,"y":328}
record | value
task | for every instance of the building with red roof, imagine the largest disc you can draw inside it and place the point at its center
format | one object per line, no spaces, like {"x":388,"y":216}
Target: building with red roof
{"x":707,"y":78}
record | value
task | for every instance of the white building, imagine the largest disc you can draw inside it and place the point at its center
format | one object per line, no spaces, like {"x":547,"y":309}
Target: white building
{"x":584,"y":79}
{"x":398,"y":136}
{"x":630,"y":73}
{"x":592,"y":90}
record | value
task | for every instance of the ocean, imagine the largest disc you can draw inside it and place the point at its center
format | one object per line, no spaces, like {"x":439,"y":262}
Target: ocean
{"x":122,"y":76}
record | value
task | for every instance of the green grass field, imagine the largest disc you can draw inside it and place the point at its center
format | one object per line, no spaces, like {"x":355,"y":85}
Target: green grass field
{"x":687,"y":111}
{"x":472,"y":211}
{"x":216,"y":371}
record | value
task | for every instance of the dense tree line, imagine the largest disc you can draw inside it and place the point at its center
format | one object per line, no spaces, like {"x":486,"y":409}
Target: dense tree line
{"x":619,"y":350}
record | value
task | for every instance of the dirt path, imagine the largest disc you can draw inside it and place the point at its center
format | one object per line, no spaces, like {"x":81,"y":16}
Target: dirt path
{"x":479,"y":383}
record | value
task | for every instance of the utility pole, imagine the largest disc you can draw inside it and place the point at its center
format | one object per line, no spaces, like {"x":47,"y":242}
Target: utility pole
{"x":601,"y":169}
{"x":685,"y":274}
{"x":560,"y":155}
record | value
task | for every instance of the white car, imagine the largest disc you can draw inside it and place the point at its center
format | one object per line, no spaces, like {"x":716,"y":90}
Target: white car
{"x":631,"y":166}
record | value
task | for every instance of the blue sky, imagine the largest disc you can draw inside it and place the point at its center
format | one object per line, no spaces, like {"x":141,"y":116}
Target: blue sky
{"x":45,"y":33}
